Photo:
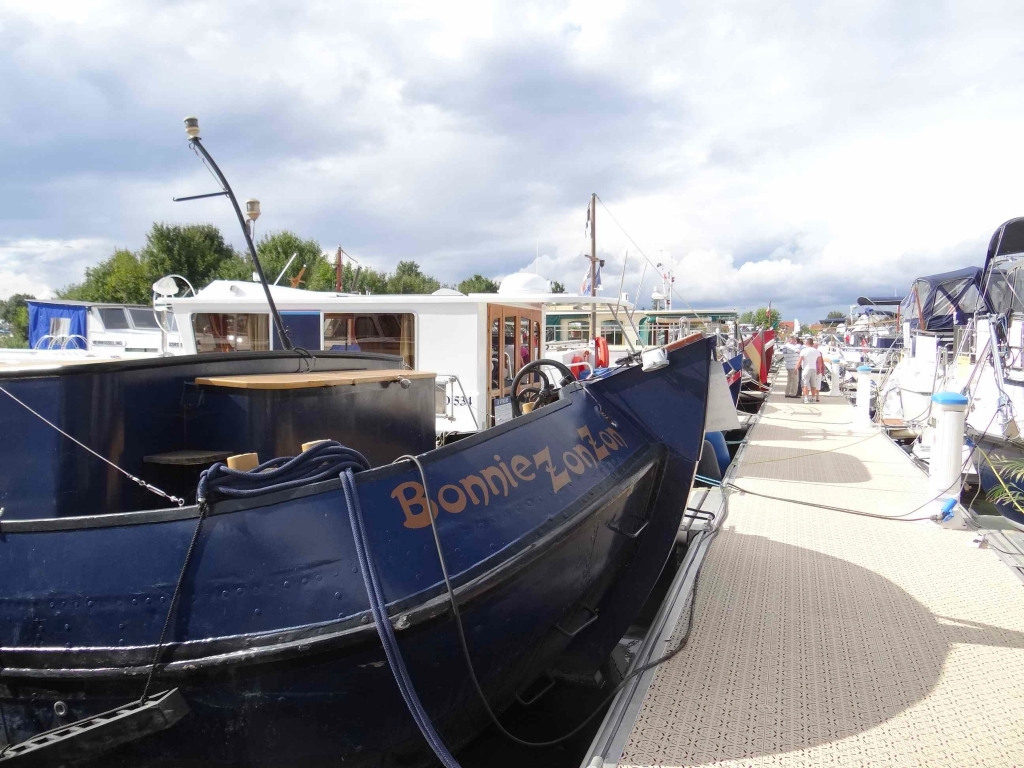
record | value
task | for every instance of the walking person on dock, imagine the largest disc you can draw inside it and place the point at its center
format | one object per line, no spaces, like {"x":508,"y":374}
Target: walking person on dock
{"x":810,"y":359}
{"x":791,"y":357}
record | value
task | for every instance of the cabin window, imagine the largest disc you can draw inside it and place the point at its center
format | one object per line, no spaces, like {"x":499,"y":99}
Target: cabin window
{"x":222,"y":332}
{"x":524,"y":341}
{"x":495,"y":354}
{"x":388,"y":333}
{"x":511,"y":351}
{"x":612,"y":332}
{"x":113,"y":318}
{"x":579,"y":330}
{"x":60,"y":326}
{"x":536,"y":341}
{"x":144,"y":319}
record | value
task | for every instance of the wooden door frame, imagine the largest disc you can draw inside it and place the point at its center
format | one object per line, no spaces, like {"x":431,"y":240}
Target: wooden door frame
{"x":499,"y":312}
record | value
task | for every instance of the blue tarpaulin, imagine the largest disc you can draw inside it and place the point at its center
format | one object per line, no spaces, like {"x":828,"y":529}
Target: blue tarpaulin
{"x":61,"y":321}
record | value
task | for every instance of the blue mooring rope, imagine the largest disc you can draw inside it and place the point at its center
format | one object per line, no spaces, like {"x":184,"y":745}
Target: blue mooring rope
{"x":321,"y":462}
{"x":378,"y":607}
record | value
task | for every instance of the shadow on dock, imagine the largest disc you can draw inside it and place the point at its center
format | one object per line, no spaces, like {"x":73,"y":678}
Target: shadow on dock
{"x":792,"y":649}
{"x":772,"y":462}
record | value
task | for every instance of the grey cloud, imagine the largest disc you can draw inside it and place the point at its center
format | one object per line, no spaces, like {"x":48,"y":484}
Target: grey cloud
{"x":355,"y":125}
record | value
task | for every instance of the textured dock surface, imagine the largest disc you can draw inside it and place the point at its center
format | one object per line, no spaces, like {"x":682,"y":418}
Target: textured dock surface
{"x":827,"y":639}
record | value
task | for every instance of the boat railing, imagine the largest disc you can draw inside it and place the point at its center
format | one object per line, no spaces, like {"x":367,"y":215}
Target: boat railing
{"x":60,"y":343}
{"x":447,"y":399}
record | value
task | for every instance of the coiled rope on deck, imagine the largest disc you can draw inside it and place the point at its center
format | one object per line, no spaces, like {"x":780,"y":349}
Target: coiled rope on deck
{"x":323,"y":461}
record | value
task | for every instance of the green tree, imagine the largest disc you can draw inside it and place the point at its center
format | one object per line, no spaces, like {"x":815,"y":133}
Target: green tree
{"x":238,"y":267}
{"x":557,"y":287}
{"x":835,"y":314}
{"x":760,"y":318}
{"x":478,"y":284}
{"x":356,"y":279}
{"x":276,"y":248}
{"x":197,"y":251}
{"x":369,"y":280}
{"x":122,"y":279}
{"x":407,"y":278}
{"x":14,"y":312}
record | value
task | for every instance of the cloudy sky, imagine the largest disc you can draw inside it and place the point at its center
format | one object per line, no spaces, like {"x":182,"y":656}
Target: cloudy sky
{"x":802,"y":153}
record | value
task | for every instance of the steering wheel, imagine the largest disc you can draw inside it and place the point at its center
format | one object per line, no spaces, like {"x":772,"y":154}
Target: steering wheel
{"x":539,"y":396}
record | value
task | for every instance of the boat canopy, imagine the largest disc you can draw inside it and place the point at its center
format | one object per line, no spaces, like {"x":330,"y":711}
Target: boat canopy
{"x":1003,"y":282}
{"x":882,"y":301}
{"x":1007,"y":240}
{"x":938,"y":302}
{"x":48,"y":319}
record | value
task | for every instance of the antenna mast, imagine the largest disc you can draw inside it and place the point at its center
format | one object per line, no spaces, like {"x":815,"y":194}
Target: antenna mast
{"x":593,"y":267}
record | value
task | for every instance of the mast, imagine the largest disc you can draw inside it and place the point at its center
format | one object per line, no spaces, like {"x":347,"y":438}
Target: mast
{"x":593,"y":267}
{"x":339,"y":273}
{"x":192,"y":130}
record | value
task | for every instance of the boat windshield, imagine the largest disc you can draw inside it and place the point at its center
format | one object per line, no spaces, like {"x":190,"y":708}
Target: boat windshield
{"x":144,"y":319}
{"x":1005,"y":288}
{"x":113,"y":318}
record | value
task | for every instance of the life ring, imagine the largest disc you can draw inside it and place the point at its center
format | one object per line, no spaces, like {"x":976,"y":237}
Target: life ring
{"x":601,"y":357}
{"x":576,"y":367}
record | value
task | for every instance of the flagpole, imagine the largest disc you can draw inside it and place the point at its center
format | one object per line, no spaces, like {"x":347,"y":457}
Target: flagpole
{"x":593,"y":268}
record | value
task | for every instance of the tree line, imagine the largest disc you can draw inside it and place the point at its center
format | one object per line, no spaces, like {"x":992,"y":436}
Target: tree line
{"x":199,"y":253}
{"x":759,"y":317}
{"x":762,"y":317}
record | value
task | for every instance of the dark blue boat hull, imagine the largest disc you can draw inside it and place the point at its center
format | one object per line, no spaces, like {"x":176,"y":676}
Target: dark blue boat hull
{"x":561,"y":516}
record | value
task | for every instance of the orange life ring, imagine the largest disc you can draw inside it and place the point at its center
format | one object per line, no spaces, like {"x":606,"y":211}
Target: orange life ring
{"x":576,"y":367}
{"x":601,"y":357}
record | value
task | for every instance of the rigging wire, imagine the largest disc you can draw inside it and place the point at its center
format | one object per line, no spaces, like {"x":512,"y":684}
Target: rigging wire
{"x":460,"y":630}
{"x":138,"y":480}
{"x":649,"y":261}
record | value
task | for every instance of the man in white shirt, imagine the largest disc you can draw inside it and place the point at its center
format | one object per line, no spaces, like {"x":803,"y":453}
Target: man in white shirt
{"x":809,"y":359}
{"x":791,"y":356}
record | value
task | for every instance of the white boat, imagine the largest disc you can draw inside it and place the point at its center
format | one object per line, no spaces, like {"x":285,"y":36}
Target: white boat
{"x":968,"y":339}
{"x":61,"y":331}
{"x":476,"y":343}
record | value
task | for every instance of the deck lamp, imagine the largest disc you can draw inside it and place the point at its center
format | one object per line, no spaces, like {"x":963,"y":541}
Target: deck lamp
{"x":252,"y":208}
{"x":192,"y":127}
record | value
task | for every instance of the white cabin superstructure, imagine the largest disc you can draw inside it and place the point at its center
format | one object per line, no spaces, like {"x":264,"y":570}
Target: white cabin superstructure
{"x":475,"y":343}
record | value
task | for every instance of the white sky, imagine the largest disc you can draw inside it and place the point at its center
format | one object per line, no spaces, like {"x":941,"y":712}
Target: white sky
{"x":798,"y":153}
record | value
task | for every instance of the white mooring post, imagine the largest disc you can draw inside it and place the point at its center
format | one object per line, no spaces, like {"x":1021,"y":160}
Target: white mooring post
{"x":945,"y":463}
{"x":837,"y":376}
{"x":864,"y":393}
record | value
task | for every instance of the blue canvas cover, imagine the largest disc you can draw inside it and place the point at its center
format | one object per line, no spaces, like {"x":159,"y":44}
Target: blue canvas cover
{"x":44,"y":319}
{"x":938,"y":302}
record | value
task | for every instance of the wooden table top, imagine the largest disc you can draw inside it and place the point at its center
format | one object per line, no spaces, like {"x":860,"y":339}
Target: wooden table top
{"x":310,"y":379}
{"x":192,"y":457}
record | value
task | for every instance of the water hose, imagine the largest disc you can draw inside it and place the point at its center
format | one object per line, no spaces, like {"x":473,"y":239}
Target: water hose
{"x":378,"y":607}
